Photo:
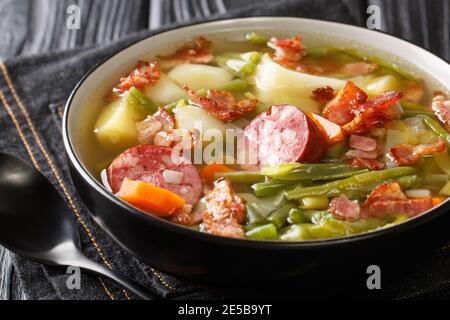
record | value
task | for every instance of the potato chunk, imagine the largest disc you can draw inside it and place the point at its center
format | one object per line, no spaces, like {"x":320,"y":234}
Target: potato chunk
{"x":276,"y":84}
{"x":115,"y":128}
{"x":197,"y":76}
{"x":164,"y":91}
{"x":192,"y":117}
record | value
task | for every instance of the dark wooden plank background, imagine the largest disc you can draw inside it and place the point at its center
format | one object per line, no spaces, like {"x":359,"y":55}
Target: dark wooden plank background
{"x":37,"y":26}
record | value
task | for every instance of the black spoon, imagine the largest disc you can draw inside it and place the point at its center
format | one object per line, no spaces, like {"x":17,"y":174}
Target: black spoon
{"x":36,"y":223}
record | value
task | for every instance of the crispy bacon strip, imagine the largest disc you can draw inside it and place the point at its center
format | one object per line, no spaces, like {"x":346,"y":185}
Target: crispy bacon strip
{"x":388,"y":199}
{"x":318,"y":68}
{"x":221,"y":104}
{"x":198,"y":50}
{"x":410,"y":207}
{"x":179,"y":139}
{"x":224,"y":211}
{"x":147,"y":129}
{"x":358,"y":68}
{"x":351,"y":154}
{"x":403,"y":155}
{"x":414,"y":91}
{"x":183,"y":216}
{"x":371,"y":164}
{"x":327,"y":67}
{"x":385,"y":191}
{"x":441,"y":109}
{"x":375,"y":112}
{"x":341,"y":109}
{"x":344,"y":209}
{"x":362,"y":143}
{"x":145,"y":73}
{"x":323,"y":94}
{"x":166,"y":118}
{"x":288,"y":52}
{"x":407,"y":155}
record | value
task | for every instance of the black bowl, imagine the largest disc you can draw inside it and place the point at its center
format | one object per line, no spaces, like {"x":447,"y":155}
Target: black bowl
{"x":210,"y":259}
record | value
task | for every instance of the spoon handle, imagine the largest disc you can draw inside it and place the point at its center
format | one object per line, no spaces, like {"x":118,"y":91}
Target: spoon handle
{"x":125,"y":282}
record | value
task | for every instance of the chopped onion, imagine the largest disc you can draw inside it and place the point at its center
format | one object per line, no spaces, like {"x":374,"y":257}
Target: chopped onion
{"x":172,"y":177}
{"x":418,"y":193}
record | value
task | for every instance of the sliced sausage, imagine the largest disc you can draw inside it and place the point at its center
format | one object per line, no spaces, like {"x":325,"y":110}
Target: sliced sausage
{"x":151,"y":164}
{"x":285,"y":134}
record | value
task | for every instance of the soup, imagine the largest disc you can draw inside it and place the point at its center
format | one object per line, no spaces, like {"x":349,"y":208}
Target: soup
{"x":266,"y":139}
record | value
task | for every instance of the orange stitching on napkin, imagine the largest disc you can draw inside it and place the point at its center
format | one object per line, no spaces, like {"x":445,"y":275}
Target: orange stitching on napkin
{"x":19,"y":131}
{"x":161,"y":279}
{"x":33,"y":159}
{"x":108,"y":293}
{"x":52,"y":166}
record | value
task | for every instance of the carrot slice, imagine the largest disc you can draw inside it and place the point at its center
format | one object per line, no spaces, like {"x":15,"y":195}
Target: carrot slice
{"x":153,"y":200}
{"x":333,"y":132}
{"x":208,"y":171}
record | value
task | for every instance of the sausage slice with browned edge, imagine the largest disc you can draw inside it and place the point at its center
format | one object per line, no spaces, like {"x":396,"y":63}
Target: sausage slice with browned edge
{"x":285,"y":134}
{"x":154,"y":165}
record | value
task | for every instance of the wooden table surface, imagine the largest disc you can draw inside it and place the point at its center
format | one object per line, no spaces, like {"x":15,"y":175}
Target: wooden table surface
{"x":36,"y":26}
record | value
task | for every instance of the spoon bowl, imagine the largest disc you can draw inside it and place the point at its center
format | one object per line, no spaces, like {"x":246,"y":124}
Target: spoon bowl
{"x":36,"y":223}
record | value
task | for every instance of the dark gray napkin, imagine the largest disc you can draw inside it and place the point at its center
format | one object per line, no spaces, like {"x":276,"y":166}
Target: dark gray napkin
{"x":32,"y":93}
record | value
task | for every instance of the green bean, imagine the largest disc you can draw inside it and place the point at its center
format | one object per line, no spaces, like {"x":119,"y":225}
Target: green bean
{"x":272,"y":187}
{"x":297,"y":216}
{"x":264,"y":232}
{"x":174,"y":105}
{"x":241,"y":64}
{"x":255,"y":38}
{"x":415,"y":113}
{"x":254,"y":216}
{"x":317,"y":217}
{"x":356,"y":182}
{"x":409,"y":182}
{"x":335,"y":228}
{"x":406,"y":105}
{"x":279,"y":216}
{"x":233,"y":85}
{"x":382,"y":63}
{"x":406,"y":182}
{"x":425,"y":163}
{"x":355,"y":53}
{"x":314,"y":172}
{"x":436,"y":127}
{"x":281,"y":169}
{"x":135,"y":96}
{"x":314,"y":203}
{"x":329,"y":229}
{"x":246,"y":177}
{"x":295,"y":232}
{"x":336,"y":151}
